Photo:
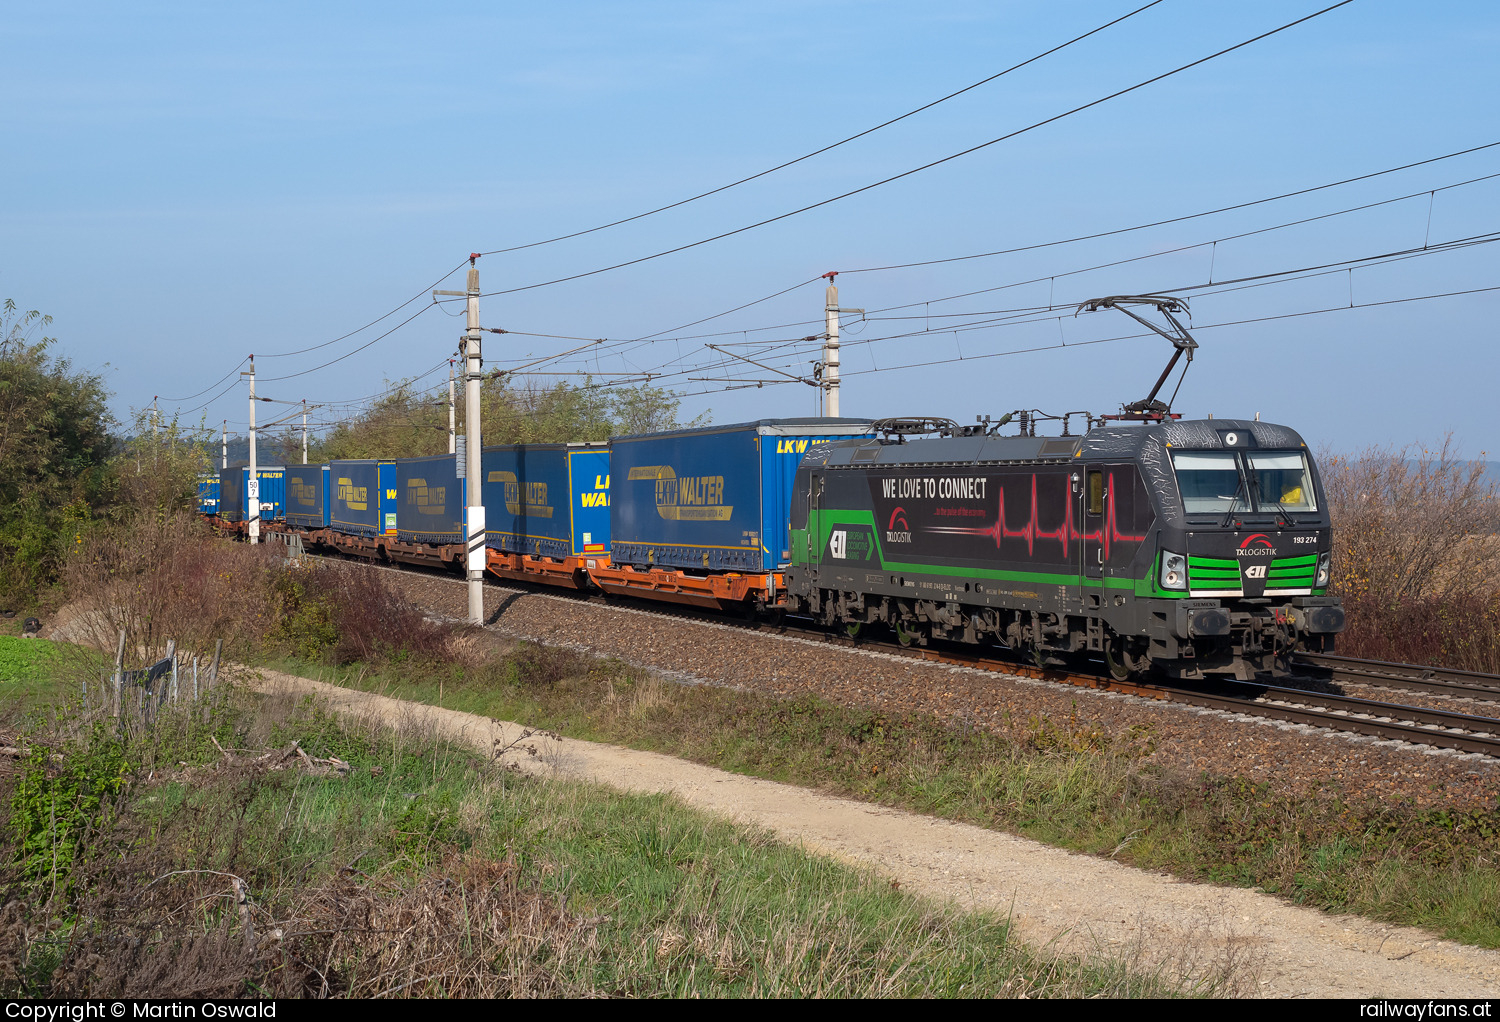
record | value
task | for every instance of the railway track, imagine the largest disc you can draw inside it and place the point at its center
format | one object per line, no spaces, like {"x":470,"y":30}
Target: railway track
{"x":1410,"y":677}
{"x":1417,"y":725}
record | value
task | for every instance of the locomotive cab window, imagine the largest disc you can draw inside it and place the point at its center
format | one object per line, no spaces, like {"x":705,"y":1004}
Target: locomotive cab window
{"x":1283,"y":479}
{"x":1096,"y":493}
{"x":1210,"y":482}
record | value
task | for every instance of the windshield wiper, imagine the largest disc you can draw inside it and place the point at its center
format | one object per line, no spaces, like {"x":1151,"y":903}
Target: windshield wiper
{"x":1224,"y":522}
{"x":1261,"y":498}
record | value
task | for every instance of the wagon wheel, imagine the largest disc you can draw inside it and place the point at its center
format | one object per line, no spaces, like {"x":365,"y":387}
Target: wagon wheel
{"x":903,"y":636}
{"x":852,"y":629}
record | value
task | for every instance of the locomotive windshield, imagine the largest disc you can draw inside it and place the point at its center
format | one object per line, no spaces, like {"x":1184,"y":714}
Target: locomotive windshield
{"x":1215,"y":482}
{"x":1210,"y":482}
{"x":1282,"y":481}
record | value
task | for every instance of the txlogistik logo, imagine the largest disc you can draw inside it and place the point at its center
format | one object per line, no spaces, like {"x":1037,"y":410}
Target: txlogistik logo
{"x":897,"y":530}
{"x":1258,"y":545}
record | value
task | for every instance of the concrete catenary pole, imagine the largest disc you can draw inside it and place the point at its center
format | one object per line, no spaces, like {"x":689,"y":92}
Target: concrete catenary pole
{"x":473,"y":448}
{"x":452,"y":424}
{"x":224,"y":445}
{"x":252,"y":481}
{"x":473,"y":444}
{"x":155,"y":416}
{"x":831,"y":348}
{"x":304,"y":431}
{"x":831,"y":312}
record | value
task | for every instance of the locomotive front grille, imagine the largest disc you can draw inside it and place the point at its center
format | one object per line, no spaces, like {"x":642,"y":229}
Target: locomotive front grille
{"x":1221,"y":576}
{"x":1216,"y":576}
{"x":1292,"y":573}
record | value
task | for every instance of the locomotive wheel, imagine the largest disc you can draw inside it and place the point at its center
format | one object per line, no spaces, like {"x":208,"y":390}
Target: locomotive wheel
{"x":1119,"y":662}
{"x":903,"y":636}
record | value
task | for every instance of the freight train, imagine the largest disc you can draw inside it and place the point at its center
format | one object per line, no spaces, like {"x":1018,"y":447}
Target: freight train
{"x":1192,"y":548}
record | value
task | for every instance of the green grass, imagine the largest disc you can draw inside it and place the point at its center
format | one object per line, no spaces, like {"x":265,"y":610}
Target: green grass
{"x":27,"y":661}
{"x":428,"y":871}
{"x":36,"y":673}
{"x":1053,"y":780}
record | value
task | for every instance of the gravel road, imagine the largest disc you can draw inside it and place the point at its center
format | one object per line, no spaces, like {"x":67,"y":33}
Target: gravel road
{"x":1082,"y":904}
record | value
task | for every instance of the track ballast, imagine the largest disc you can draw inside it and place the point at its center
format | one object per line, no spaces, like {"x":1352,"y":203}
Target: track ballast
{"x":1417,"y":725}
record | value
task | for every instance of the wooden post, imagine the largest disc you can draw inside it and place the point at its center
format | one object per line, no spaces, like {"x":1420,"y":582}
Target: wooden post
{"x":172,"y":656}
{"x":247,"y":919}
{"x":119,"y":678}
{"x":195,"y":679}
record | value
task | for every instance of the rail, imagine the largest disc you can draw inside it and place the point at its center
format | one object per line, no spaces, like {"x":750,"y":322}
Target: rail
{"x":1411,"y":677}
{"x":1393,"y":721}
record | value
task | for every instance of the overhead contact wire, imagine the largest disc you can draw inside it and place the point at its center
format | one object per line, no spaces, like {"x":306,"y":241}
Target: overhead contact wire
{"x":830,"y":146}
{"x":1177,"y":219}
{"x":925,"y":166}
{"x":350,"y":354}
{"x":378,"y":319}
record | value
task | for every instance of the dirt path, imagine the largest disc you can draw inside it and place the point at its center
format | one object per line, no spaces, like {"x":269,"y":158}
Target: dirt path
{"x":1082,"y":903}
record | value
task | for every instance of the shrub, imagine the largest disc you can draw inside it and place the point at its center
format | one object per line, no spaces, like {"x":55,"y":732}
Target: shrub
{"x":54,"y":446}
{"x":169,"y":578}
{"x":59,"y":796}
{"x":374,"y":621}
{"x":348,"y":613}
{"x":1416,"y":558}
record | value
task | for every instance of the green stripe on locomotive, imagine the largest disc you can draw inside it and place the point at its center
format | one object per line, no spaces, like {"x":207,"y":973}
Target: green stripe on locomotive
{"x":1204,"y":572}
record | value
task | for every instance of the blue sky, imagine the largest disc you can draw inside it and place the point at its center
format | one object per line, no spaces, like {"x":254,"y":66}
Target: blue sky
{"x":187,"y":184}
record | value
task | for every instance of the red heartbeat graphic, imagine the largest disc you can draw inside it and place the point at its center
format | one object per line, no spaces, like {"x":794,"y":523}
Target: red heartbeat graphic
{"x":1107,"y":534}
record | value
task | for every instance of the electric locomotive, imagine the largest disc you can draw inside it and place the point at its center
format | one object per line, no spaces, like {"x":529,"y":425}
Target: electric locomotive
{"x":1191,"y":547}
{"x":1194,"y":547}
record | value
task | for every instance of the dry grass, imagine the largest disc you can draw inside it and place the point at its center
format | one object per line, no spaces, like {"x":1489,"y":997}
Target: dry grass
{"x":168,"y":578}
{"x":428,"y":872}
{"x":1415,"y":556}
{"x":174,"y":579}
{"x":470,"y":929}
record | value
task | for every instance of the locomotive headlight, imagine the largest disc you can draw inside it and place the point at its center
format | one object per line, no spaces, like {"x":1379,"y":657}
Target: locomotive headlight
{"x":1325,"y":569}
{"x":1173,"y":571}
